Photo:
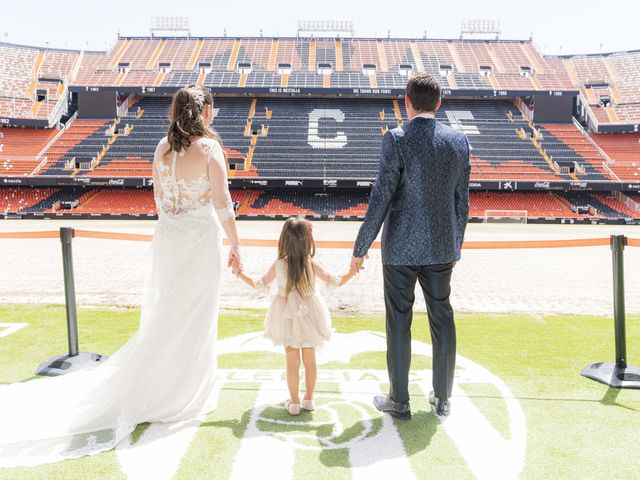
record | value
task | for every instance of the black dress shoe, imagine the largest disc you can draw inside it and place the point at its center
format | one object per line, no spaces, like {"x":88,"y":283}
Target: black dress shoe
{"x":440,"y":406}
{"x":386,"y":404}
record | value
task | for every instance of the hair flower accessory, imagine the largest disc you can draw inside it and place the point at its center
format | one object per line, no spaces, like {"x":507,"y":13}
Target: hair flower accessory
{"x":198,"y":96}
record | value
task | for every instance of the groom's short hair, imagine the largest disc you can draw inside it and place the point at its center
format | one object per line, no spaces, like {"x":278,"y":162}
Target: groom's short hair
{"x":423,"y":91}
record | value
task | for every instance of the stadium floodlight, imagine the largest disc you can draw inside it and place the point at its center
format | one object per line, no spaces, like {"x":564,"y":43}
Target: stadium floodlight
{"x":170,"y":25}
{"x":325,"y":27}
{"x":480,"y":27}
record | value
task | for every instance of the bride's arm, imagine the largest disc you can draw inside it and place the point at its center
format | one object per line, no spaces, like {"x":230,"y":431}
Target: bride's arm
{"x":157,"y":185}
{"x":221,"y":199}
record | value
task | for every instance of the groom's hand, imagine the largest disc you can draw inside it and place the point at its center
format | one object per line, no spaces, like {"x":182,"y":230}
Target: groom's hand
{"x":357,"y":264}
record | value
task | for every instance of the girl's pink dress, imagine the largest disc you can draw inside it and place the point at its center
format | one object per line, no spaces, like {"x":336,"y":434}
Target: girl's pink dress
{"x":297,"y":321}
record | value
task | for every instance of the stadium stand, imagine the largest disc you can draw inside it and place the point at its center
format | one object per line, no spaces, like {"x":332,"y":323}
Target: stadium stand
{"x":114,"y":201}
{"x":13,"y":200}
{"x":20,"y":149}
{"x":318,"y":138}
{"x":83,"y":140}
{"x":341,"y":138}
{"x":339,"y":204}
{"x":604,"y":206}
{"x":33,"y":80}
{"x":284,"y":136}
{"x":207,"y":61}
{"x":139,"y":61}
{"x":535,"y":204}
{"x":96,"y":70}
{"x":328,"y":138}
{"x":19,"y":66}
{"x":624,"y":150}
{"x":48,"y":203}
{"x":343,"y":204}
{"x":609,"y":85}
{"x":131,"y":152}
{"x":565,"y":143}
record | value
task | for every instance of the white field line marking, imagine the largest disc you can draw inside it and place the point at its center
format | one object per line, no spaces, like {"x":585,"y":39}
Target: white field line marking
{"x":158,"y":452}
{"x":478,"y":441}
{"x":261,"y":454}
{"x":488,"y":454}
{"x":7,"y":329}
{"x":327,"y":443}
{"x":380,"y":456}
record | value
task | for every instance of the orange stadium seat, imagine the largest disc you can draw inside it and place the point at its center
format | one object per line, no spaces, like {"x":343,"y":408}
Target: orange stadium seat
{"x":19,"y":148}
{"x":536,"y":204}
{"x":624,"y":150}
{"x":118,"y":201}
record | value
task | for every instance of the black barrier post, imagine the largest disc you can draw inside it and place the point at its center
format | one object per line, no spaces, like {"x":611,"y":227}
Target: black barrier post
{"x":74,"y":360}
{"x":66,"y":237}
{"x":616,"y":374}
{"x":618,"y":242}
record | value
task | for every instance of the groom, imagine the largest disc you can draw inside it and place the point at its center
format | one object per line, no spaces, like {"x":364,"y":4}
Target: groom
{"x":422,"y":195}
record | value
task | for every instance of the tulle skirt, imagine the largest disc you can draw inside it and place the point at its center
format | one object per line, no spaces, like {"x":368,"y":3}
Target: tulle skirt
{"x":298,"y":322}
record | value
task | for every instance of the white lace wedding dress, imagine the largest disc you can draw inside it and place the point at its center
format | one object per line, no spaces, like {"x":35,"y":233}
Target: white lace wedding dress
{"x":167,"y":371}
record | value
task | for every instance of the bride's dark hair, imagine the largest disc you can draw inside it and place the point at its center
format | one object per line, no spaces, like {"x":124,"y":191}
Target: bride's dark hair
{"x":186,"y":120}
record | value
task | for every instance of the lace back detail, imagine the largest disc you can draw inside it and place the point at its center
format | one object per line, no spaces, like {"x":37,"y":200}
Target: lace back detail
{"x":180,"y":195}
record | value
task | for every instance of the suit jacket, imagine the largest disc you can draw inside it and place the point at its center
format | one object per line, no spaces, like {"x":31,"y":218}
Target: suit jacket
{"x":421,"y":194}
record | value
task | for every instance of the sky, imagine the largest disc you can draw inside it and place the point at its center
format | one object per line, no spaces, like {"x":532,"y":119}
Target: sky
{"x":558,"y":27}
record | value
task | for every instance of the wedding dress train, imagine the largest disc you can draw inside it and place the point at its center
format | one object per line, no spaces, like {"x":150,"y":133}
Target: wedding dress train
{"x":167,"y":371}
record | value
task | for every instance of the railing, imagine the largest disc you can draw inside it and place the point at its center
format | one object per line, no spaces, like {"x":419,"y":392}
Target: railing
{"x":592,"y":120}
{"x":58,"y":135}
{"x":610,"y":172}
{"x":527,"y":113}
{"x":73,"y":73}
{"x":48,"y":145}
{"x":60,"y":108}
{"x":628,"y":202}
{"x":608,"y":159}
{"x":39,"y":167}
{"x":592,"y":141}
{"x":124,"y":106}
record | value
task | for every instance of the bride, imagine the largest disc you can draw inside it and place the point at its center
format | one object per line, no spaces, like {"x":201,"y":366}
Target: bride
{"x":167,"y":371}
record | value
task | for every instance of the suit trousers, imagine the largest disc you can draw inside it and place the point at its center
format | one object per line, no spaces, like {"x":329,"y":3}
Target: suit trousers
{"x":399,"y":295}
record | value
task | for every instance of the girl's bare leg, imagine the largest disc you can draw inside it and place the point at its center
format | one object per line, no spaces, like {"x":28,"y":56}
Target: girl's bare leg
{"x":293,"y":373}
{"x":310,"y":372}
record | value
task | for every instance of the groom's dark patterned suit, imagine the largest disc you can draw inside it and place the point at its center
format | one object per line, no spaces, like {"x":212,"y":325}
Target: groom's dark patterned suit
{"x":422,"y":196}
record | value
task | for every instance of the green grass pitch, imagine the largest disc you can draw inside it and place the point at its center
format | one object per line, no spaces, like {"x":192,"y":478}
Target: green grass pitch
{"x":575,"y":428}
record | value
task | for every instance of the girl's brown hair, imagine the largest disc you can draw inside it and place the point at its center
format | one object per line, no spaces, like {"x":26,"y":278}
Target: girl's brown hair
{"x":186,"y":120}
{"x":296,"y":245}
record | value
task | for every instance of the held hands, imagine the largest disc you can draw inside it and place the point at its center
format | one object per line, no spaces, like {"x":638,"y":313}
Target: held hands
{"x":234,"y":267}
{"x":235,"y":260}
{"x":357,"y":264}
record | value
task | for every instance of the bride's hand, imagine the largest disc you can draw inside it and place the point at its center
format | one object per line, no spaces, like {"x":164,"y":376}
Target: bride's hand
{"x":235,"y":260}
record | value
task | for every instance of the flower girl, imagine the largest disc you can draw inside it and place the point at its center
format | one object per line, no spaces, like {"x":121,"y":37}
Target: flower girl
{"x":298,"y":317}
